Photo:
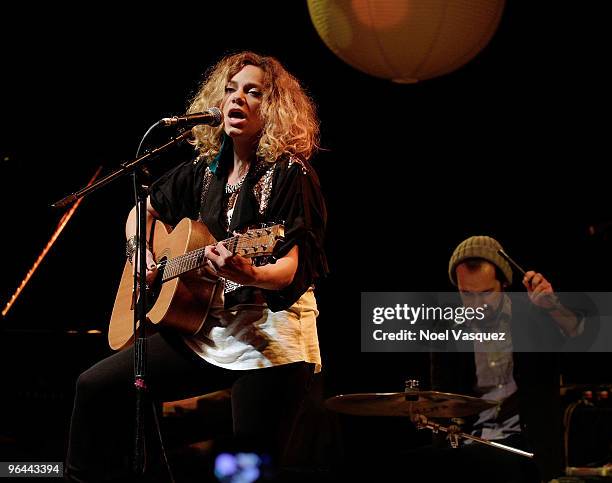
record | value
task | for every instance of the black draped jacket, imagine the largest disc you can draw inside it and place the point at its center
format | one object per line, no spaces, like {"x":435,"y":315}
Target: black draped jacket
{"x":295,"y":199}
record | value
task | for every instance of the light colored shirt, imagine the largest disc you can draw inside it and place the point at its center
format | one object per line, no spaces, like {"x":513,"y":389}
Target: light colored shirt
{"x":251,"y":336}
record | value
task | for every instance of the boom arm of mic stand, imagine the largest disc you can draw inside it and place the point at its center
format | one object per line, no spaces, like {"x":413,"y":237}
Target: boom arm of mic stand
{"x":125,"y":168}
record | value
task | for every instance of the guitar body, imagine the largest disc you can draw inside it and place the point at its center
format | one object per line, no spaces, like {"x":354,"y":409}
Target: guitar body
{"x":182,"y":302}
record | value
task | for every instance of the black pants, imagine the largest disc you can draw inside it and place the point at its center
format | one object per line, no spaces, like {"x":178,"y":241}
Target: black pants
{"x":265,"y":403}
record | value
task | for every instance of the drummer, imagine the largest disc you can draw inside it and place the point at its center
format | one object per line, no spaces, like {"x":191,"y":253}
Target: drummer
{"x":526,"y":382}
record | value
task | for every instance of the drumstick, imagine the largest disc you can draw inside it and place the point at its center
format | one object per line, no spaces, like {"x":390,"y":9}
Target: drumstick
{"x":511,"y":262}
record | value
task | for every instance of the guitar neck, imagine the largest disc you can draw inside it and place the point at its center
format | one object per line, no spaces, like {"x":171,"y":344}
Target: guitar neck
{"x":175,"y":267}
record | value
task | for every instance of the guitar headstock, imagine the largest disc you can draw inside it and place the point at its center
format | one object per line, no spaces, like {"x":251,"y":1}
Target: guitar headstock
{"x":258,"y":242}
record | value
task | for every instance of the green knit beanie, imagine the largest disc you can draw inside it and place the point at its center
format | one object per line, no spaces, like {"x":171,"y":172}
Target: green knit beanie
{"x":479,"y":247}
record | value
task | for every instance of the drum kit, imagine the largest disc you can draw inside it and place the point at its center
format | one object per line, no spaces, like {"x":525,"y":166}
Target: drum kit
{"x":419,"y":406}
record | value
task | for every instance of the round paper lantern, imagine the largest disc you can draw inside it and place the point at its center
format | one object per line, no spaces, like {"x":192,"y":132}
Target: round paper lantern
{"x":406,"y":40}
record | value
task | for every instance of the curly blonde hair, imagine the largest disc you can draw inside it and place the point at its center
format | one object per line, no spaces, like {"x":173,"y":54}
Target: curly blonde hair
{"x":290,"y":125}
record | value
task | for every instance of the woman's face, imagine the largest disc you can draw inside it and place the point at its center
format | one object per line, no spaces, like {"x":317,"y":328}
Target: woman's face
{"x":241,"y":104}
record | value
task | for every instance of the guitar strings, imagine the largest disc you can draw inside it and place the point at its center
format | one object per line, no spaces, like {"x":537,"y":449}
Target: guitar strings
{"x":185,"y":259}
{"x":196,"y":255}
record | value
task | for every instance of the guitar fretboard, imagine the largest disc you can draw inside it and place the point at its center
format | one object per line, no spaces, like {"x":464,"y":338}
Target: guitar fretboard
{"x":176,"y":266}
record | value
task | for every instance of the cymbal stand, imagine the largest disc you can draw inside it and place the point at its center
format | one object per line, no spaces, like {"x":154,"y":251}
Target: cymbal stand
{"x":454,"y":435}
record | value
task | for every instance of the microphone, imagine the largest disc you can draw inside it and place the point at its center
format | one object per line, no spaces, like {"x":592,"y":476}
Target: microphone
{"x":211,"y":117}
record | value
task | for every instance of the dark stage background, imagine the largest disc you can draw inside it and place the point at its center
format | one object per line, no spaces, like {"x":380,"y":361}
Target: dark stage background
{"x":513,"y":145}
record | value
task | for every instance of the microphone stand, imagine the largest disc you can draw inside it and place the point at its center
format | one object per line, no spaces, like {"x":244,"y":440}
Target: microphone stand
{"x":124,"y":168}
{"x":140,"y":290}
{"x":140,"y":280}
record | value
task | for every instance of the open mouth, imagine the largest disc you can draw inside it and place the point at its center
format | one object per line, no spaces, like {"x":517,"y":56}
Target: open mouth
{"x":236,"y":114}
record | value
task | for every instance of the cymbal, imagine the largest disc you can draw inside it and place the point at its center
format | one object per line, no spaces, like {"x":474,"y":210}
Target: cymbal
{"x":432,"y":404}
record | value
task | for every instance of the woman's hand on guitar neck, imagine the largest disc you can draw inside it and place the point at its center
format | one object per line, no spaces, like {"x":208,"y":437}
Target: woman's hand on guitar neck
{"x":274,"y":276}
{"x":233,"y":267}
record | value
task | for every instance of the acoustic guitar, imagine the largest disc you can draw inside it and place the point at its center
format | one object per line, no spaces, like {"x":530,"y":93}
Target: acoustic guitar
{"x":180,"y":296}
